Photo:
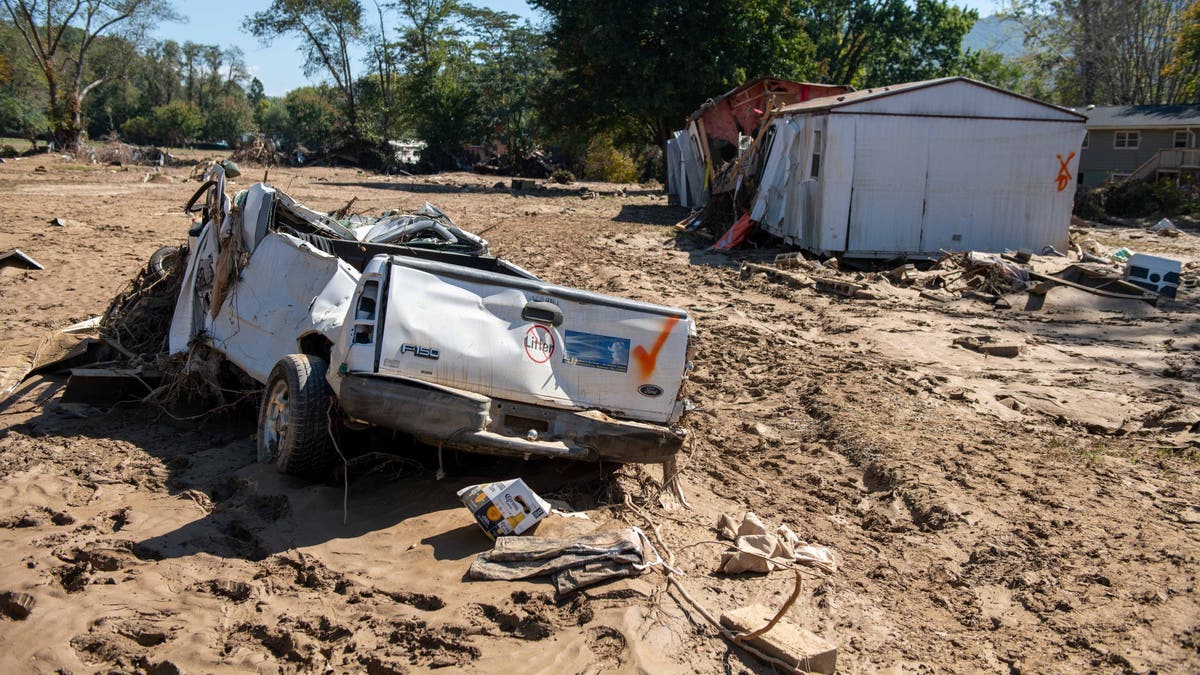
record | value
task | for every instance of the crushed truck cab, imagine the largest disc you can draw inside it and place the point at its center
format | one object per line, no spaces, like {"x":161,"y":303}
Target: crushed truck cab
{"x":405,"y":322}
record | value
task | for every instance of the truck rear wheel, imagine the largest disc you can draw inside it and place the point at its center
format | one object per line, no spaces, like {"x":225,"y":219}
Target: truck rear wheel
{"x":293,"y":425}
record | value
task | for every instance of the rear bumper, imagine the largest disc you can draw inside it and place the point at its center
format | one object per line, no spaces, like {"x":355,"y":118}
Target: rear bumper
{"x":468,"y":421}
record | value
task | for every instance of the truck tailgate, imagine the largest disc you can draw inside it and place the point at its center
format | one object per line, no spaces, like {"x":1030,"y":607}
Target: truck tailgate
{"x":526,"y":340}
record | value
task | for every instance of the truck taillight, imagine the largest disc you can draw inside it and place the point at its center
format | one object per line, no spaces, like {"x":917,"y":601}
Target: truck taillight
{"x":365,"y":313}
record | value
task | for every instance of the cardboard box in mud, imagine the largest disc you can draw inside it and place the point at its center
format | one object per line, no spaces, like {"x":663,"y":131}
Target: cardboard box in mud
{"x":504,"y":507}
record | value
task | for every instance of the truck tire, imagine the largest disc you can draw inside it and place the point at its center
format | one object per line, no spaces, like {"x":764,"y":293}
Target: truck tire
{"x":164,"y":261}
{"x":293,"y":423}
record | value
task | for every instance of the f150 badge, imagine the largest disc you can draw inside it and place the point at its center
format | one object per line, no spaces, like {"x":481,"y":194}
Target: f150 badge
{"x":423,"y":352}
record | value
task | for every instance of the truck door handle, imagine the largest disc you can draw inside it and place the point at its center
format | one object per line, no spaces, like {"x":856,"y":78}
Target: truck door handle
{"x":543,"y":312}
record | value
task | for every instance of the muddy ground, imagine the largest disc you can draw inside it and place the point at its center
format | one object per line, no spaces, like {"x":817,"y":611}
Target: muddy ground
{"x":1031,"y":514}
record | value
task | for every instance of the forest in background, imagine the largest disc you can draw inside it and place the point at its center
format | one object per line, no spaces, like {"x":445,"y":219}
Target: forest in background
{"x":603,"y":83}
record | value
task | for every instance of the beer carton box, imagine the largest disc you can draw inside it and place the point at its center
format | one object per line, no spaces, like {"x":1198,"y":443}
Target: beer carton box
{"x":504,"y":507}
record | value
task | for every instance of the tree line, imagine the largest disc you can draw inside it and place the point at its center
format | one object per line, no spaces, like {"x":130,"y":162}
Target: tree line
{"x":592,"y":75}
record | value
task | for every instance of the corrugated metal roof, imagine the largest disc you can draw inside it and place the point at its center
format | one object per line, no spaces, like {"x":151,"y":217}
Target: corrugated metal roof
{"x":1141,"y":116}
{"x":832,"y":102}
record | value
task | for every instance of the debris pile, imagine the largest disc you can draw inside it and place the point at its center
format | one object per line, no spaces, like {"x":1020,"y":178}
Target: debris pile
{"x":123,"y":154}
{"x":986,"y":272}
{"x":259,"y":150}
{"x":532,"y":165}
{"x":998,"y":279}
{"x":138,"y":318}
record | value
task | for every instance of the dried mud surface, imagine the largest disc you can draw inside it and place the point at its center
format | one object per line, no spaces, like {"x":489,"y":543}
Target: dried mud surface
{"x":1033,"y":514}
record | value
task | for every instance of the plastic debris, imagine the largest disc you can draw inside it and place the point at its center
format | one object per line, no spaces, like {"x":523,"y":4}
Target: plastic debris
{"x":1154,"y":273}
{"x":1165,"y":227}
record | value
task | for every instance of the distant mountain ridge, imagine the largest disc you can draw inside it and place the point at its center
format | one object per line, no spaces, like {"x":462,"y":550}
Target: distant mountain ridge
{"x":997,"y":34}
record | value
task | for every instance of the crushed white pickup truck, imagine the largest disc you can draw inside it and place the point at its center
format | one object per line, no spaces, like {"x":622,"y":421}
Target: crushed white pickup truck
{"x":406,"y":322}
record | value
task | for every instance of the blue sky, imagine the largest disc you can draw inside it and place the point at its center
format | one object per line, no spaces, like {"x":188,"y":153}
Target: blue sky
{"x":278,"y":66}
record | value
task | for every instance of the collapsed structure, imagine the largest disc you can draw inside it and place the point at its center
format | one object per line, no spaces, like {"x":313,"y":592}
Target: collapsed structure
{"x":906,"y":171}
{"x":715,"y":129}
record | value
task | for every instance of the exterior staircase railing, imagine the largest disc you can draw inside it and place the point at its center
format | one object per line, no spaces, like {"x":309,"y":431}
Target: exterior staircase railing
{"x":1168,"y":159}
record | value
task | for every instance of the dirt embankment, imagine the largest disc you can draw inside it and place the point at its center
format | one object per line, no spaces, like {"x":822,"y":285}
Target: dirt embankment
{"x":1031,"y":514}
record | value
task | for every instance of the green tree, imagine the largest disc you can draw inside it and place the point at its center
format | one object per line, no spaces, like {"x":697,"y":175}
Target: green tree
{"x":1107,"y":51}
{"x":272,"y":118}
{"x":138,"y":130}
{"x":441,"y":45}
{"x":513,"y":75}
{"x":876,"y":42}
{"x":228,"y":118}
{"x":255,"y":93}
{"x":22,"y":100}
{"x":177,"y":123}
{"x":654,"y":61}
{"x":116,"y":64}
{"x":1185,"y":63}
{"x":996,"y":69}
{"x":326,"y":29}
{"x":160,"y":78}
{"x":60,"y":35}
{"x":312,"y":117}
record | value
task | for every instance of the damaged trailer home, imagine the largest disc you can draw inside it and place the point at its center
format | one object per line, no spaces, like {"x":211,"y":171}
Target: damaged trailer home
{"x":715,"y":129}
{"x":917,"y":168}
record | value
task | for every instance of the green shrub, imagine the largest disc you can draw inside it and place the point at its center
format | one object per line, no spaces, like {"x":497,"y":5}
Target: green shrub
{"x":177,"y":123}
{"x":1137,"y":199}
{"x":137,"y":130}
{"x":1131,"y":199}
{"x":7,"y":151}
{"x":1089,"y":204}
{"x":604,"y":162}
{"x":562,"y":177}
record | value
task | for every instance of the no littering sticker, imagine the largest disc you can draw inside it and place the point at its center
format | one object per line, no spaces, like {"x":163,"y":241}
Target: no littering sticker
{"x":539,"y":344}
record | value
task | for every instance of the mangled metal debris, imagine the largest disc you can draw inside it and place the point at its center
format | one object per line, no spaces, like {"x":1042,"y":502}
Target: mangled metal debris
{"x":16,"y":258}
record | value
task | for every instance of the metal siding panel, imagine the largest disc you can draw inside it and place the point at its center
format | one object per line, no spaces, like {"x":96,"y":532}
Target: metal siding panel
{"x":886,"y":206}
{"x":993,"y":185}
{"x":833,"y":189}
{"x":991,"y":181}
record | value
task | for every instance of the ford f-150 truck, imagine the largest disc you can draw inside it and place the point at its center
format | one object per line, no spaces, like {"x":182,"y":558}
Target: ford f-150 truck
{"x":406,"y":322}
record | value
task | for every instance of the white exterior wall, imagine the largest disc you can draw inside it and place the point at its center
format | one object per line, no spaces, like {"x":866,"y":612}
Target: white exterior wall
{"x":922,"y":185}
{"x":935,"y":169}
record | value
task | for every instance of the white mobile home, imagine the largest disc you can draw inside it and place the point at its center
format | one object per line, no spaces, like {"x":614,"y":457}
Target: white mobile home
{"x":912,"y":169}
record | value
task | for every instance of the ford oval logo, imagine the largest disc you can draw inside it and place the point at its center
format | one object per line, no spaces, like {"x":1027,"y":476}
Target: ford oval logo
{"x":650,"y":390}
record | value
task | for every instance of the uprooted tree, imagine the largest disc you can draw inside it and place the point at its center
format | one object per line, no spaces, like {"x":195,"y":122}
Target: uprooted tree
{"x":60,"y":35}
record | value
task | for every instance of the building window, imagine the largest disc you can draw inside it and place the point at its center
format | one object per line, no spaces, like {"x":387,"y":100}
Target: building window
{"x":1117,"y":177}
{"x":1086,"y":136}
{"x":1181,"y":139}
{"x":816,"y":155}
{"x":1127,"y":140}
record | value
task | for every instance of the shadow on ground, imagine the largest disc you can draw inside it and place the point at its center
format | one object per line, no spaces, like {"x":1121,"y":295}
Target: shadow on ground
{"x":251,"y":511}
